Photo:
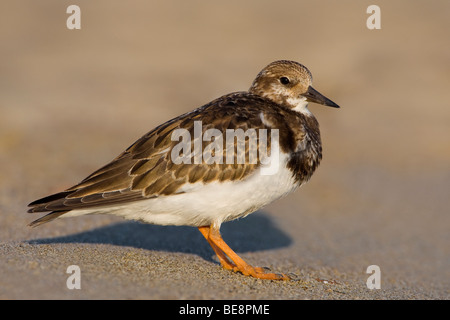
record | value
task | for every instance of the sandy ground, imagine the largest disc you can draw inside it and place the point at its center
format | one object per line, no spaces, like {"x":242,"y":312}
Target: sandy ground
{"x":71,"y":100}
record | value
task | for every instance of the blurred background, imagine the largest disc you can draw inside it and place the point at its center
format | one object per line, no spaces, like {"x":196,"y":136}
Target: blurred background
{"x":72,"y":100}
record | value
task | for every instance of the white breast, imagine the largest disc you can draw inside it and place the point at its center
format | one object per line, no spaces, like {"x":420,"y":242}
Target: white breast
{"x":301,"y":105}
{"x":205,"y":204}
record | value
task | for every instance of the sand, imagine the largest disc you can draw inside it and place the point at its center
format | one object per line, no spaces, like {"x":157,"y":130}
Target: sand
{"x":72,"y":100}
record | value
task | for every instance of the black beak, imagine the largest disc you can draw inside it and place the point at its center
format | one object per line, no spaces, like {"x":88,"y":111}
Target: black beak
{"x":312,"y":95}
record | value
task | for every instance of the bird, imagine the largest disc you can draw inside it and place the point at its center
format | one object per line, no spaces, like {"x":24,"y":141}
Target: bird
{"x":167,"y":177}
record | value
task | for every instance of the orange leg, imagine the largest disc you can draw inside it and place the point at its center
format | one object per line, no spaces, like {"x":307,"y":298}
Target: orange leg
{"x":225,"y":254}
{"x":220,"y":254}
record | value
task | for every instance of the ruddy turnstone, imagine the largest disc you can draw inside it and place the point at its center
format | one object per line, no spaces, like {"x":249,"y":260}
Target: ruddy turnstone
{"x":168,"y":177}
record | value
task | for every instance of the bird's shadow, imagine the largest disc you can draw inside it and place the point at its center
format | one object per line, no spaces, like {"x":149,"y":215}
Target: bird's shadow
{"x":254,"y":233}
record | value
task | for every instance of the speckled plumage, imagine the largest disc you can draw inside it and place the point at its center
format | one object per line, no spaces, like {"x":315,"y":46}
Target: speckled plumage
{"x":143,"y":182}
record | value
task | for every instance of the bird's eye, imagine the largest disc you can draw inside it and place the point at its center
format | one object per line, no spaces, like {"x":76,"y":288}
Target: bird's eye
{"x":284,"y":80}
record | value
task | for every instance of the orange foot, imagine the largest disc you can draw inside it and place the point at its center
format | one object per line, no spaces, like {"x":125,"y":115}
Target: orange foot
{"x":225,"y":254}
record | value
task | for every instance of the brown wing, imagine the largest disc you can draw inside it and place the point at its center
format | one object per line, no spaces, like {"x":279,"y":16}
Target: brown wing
{"x":146,"y":170}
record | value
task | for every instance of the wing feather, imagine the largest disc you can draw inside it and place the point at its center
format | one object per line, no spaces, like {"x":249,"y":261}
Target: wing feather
{"x":145,"y":170}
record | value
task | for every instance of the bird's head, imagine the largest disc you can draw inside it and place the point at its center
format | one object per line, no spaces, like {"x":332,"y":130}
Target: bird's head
{"x":288,"y":83}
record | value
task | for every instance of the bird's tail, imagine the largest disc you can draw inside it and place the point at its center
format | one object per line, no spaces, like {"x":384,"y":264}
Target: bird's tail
{"x":47,"y":218}
{"x":50,"y":203}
